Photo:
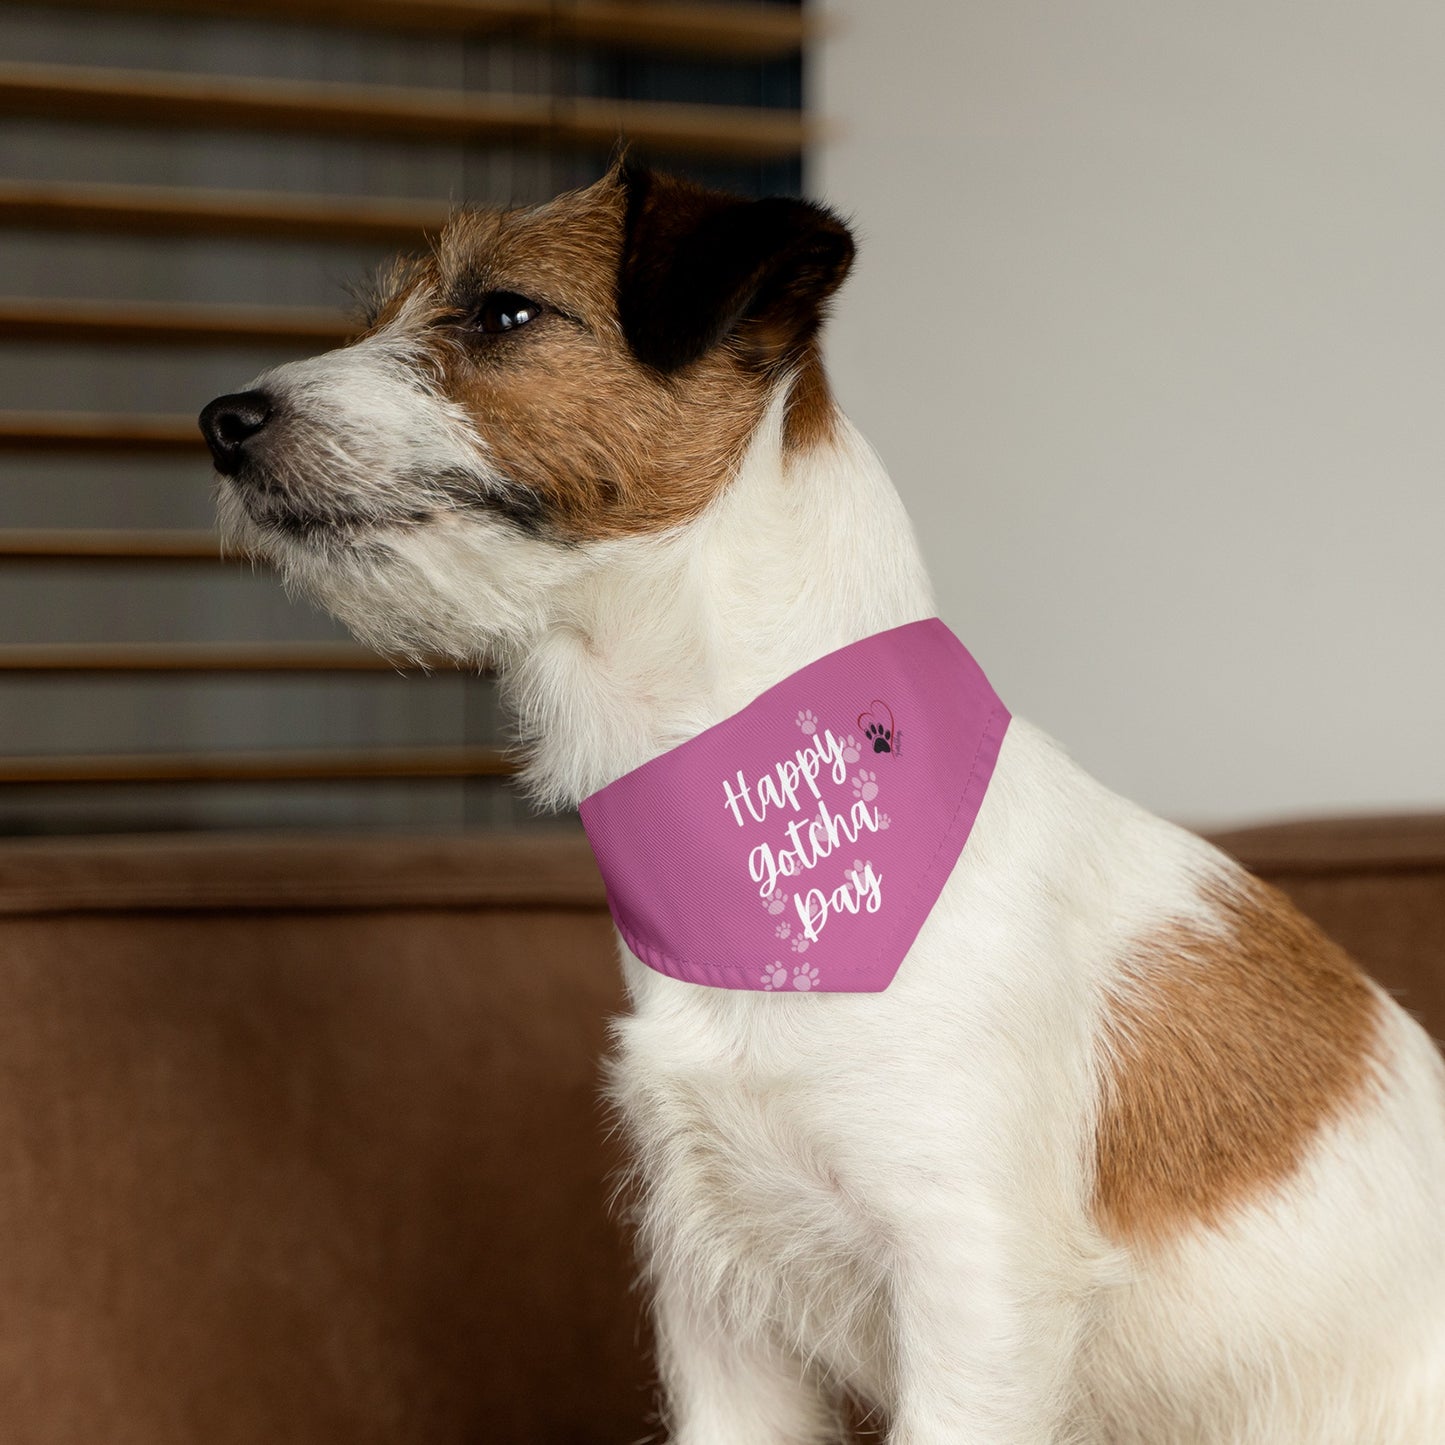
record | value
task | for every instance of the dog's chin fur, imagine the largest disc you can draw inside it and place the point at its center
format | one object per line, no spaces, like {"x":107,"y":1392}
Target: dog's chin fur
{"x":1127,"y":1153}
{"x":430,"y":589}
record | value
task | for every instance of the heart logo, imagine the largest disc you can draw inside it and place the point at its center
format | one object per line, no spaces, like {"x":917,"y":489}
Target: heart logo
{"x":878,"y":727}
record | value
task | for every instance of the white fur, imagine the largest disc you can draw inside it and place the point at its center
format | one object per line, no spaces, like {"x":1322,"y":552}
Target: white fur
{"x":889,"y":1194}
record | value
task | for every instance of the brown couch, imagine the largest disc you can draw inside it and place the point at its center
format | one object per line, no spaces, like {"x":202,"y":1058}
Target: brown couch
{"x":299,"y":1139}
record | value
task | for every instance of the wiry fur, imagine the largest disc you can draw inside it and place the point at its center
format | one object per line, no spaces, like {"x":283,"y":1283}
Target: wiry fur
{"x":894,"y":1196}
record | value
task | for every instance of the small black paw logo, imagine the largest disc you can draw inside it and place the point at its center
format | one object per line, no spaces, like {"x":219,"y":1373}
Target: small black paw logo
{"x":880,"y":736}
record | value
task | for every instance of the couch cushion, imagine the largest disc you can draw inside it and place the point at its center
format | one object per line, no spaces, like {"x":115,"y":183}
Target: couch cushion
{"x":300,"y":1141}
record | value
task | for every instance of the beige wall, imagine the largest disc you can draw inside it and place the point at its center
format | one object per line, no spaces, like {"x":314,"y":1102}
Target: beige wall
{"x":1149,"y":324}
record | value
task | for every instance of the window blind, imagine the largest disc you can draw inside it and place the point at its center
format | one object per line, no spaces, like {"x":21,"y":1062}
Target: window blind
{"x":186,"y":189}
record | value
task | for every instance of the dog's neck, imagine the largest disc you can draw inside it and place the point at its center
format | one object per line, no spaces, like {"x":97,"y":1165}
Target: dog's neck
{"x":802,"y":554}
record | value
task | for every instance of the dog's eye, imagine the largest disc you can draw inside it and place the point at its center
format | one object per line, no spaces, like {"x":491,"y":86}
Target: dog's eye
{"x":504,"y":311}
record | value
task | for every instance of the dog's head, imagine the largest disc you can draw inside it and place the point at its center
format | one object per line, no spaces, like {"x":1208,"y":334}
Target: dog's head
{"x":545,"y":384}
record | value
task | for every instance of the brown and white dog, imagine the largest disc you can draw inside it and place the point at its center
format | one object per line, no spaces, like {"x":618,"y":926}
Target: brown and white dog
{"x":1127,"y":1152}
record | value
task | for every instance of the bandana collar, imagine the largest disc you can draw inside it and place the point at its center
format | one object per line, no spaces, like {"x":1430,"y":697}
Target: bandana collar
{"x":800,"y":843}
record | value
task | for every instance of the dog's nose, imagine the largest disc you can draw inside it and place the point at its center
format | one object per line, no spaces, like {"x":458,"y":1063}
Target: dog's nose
{"x":229,"y":422}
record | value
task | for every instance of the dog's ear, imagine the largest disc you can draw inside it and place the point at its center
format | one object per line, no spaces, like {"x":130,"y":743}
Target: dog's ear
{"x":698,"y":266}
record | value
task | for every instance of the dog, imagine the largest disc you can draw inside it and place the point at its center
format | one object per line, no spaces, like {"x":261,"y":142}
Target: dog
{"x":1127,"y":1153}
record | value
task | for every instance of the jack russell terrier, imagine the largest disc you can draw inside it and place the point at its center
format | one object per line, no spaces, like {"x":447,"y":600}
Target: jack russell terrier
{"x":1041,"y":1122}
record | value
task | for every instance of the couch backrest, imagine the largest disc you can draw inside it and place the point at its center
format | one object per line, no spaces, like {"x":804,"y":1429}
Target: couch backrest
{"x":300,"y":1142}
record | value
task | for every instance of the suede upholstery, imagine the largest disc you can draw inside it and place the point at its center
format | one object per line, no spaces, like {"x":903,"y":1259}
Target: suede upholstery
{"x":300,"y":1138}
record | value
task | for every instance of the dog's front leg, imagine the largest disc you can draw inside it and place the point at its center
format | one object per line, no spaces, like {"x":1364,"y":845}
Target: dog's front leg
{"x":724,"y":1387}
{"x":984,"y":1349}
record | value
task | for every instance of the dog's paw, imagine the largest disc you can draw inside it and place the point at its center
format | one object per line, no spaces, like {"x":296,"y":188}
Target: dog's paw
{"x":865,"y":785}
{"x":881,"y":737}
{"x":855,"y":874}
{"x":805,"y":978}
{"x":783,"y":930}
{"x":883,"y":822}
{"x":807,"y":722}
{"x":800,"y":944}
{"x":775,"y":976}
{"x":850,"y":750}
{"x":776,"y":901}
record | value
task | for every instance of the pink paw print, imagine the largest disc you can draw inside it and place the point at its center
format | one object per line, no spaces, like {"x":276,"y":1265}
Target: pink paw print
{"x":775,"y":975}
{"x":800,"y":944}
{"x":850,"y":750}
{"x":865,"y":785}
{"x":883,"y":821}
{"x":855,"y":874}
{"x":807,"y":722}
{"x":783,"y":929}
{"x":776,"y":901}
{"x":805,"y":978}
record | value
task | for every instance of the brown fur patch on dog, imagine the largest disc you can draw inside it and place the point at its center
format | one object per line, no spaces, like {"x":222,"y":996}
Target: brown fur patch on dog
{"x":601,"y":445}
{"x":812,"y":414}
{"x":1225,"y":1054}
{"x":591,"y":441}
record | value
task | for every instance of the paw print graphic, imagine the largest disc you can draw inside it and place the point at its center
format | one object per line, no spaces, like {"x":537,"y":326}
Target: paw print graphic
{"x":805,"y":978}
{"x":800,"y":944}
{"x":776,"y":901}
{"x":807,"y":722}
{"x":783,"y":930}
{"x":865,"y":785}
{"x":855,"y":874}
{"x":850,"y":750}
{"x":883,"y":821}
{"x":775,"y":975}
{"x":880,"y":736}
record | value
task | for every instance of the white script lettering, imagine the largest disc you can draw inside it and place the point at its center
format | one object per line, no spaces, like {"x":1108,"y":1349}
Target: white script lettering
{"x":864,"y":889}
{"x":812,"y":840}
{"x":780,"y":788}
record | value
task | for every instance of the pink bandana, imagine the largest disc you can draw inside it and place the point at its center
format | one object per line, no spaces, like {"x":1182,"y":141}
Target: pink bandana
{"x":800,"y":843}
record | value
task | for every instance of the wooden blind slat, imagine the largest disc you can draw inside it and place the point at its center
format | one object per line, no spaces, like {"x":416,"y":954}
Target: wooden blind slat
{"x":156,"y":98}
{"x":168,"y":210}
{"x":715,"y":29}
{"x":134,"y":545}
{"x":757,"y":32}
{"x":80,"y":431}
{"x":257,"y":767}
{"x":158,"y":323}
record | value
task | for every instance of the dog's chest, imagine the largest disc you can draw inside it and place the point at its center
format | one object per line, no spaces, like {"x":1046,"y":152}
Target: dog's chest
{"x":743,"y":1184}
